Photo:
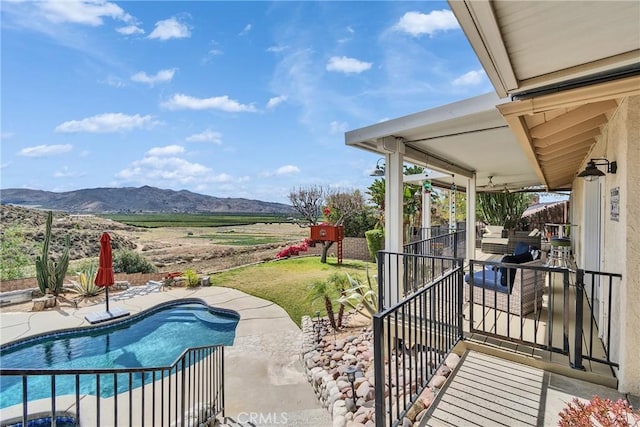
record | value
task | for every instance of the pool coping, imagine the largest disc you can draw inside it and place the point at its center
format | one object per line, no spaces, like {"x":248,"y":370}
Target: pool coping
{"x":119,"y":321}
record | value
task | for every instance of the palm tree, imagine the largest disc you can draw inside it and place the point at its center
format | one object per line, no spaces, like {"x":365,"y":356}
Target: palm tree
{"x":322,"y":289}
{"x":340,"y":283}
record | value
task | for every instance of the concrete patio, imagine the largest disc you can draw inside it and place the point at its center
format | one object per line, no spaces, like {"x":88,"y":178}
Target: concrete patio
{"x":264,"y":376}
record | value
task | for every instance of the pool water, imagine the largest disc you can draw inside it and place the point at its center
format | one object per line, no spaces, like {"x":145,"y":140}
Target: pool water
{"x":152,"y":340}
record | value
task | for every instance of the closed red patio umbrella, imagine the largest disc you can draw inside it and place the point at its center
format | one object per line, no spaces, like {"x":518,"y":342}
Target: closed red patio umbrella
{"x":104,"y":277}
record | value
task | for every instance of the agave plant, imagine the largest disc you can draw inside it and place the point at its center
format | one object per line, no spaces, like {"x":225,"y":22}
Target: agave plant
{"x":362,"y":297}
{"x":85,"y":285}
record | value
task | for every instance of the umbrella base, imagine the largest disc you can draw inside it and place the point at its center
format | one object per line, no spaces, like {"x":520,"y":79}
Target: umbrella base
{"x":103,"y":316}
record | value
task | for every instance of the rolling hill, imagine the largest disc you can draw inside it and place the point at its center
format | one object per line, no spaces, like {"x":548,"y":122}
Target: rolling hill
{"x":144,"y":199}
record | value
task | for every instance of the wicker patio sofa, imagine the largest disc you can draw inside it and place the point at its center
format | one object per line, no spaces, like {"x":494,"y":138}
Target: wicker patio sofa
{"x":492,"y":241}
{"x":527,"y":287}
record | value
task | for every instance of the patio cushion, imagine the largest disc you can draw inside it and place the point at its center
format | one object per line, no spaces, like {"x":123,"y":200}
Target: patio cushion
{"x":489,"y":279}
{"x":521,"y":247}
{"x":525,"y":297}
{"x":512,"y":259}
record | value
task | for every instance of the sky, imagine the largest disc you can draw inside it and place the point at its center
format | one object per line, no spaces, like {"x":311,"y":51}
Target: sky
{"x":224,"y":98}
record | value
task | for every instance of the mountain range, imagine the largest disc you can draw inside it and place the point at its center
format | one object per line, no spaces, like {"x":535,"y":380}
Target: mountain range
{"x":144,"y":199}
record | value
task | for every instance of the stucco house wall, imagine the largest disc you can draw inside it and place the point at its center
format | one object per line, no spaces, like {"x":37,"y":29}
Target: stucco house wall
{"x":620,"y":240}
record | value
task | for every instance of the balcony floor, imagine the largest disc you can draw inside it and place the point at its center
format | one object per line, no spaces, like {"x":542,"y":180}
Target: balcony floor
{"x":485,"y":390}
{"x":496,"y":325}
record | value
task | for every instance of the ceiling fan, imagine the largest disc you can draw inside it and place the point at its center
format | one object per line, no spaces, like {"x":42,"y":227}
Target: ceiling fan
{"x":505,"y":187}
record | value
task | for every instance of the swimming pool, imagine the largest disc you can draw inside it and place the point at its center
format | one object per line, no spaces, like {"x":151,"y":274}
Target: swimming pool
{"x":154,"y":338}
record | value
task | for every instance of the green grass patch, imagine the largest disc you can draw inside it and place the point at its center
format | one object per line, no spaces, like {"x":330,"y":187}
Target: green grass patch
{"x":195,"y":220}
{"x":240,"y":239}
{"x":286,"y":282}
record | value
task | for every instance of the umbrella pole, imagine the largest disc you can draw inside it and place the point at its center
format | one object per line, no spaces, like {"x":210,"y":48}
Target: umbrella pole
{"x":106,"y":290}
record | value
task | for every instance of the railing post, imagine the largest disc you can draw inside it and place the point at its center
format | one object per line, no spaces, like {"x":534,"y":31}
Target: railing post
{"x":460,"y":297}
{"x":577,"y":350}
{"x":381,"y":292}
{"x":221,"y":379}
{"x":378,"y":365}
{"x":455,"y":244}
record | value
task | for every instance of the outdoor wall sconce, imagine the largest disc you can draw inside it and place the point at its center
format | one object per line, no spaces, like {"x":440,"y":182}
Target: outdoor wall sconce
{"x":379,"y":170}
{"x":592,"y":172}
{"x":350,"y":371}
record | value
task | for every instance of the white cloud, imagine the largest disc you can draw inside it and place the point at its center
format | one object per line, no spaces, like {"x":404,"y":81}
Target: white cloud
{"x":82,"y":12}
{"x":417,"y":24}
{"x":185,"y":102}
{"x":168,"y":150}
{"x":347,"y":65}
{"x":245,"y":30}
{"x":114,"y":82}
{"x":471,"y":78}
{"x":7,"y":135}
{"x":161,"y":76}
{"x":173,"y":170}
{"x":170,"y":29}
{"x":206,"y":136}
{"x":277,"y":49}
{"x":108,"y":122}
{"x":66,"y":173}
{"x":287,"y":170}
{"x":281,"y":171}
{"x":130,"y":30}
{"x":275,"y":101}
{"x":338,"y":127}
{"x":45,"y":150}
{"x":5,"y":165}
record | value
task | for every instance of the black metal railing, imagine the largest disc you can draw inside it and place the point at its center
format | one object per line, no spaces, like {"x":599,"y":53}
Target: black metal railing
{"x":587,"y":297}
{"x":400,"y":275}
{"x":449,"y":244}
{"x":413,"y":337}
{"x":189,"y":392}
{"x":517,"y":312}
{"x":424,"y":233}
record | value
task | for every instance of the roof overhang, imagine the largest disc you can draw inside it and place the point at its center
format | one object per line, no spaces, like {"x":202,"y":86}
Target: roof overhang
{"x":567,"y":64}
{"x":527,"y":46}
{"x":461,"y":139}
{"x":564,"y":87}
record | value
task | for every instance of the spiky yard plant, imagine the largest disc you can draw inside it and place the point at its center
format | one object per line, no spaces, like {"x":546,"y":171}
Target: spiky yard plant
{"x":340,"y":282}
{"x":50,"y":273}
{"x":322,"y":289}
{"x":362,"y":297}
{"x":191,"y":277}
{"x":85,"y":285}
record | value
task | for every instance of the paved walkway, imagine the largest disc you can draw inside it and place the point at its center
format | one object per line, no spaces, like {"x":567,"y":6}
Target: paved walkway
{"x":264,"y":377}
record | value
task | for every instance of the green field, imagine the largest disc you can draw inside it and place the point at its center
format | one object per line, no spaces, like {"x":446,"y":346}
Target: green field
{"x":195,"y":220}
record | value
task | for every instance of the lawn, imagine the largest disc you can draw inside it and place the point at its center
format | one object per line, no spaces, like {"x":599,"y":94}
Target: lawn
{"x":286,"y":282}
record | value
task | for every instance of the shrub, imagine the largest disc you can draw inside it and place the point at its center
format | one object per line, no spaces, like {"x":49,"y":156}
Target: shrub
{"x":295,"y":249}
{"x":599,"y":412}
{"x":375,"y":242}
{"x":127,"y":261}
{"x":191,"y":277}
{"x":169,"y":279}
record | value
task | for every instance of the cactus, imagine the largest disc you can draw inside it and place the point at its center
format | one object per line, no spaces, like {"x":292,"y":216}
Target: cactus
{"x":50,"y":274}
